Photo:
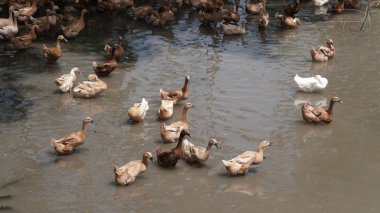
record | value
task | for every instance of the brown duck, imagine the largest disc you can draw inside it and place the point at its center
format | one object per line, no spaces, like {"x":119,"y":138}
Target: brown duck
{"x":54,"y":53}
{"x":170,"y":158}
{"x":23,"y":42}
{"x":74,"y":28}
{"x":119,"y":50}
{"x":67,"y":144}
{"x":178,"y":94}
{"x":127,"y":174}
{"x":106,"y":68}
{"x":318,"y":114}
{"x":171,"y":133}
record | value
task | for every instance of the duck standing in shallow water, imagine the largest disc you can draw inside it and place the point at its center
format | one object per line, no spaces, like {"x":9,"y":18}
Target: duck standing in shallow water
{"x":170,"y":158}
{"x":67,"y":144}
{"x":287,"y":21}
{"x":127,"y":174}
{"x":311,"y":84}
{"x":322,"y":54}
{"x":66,"y":81}
{"x":23,"y":42}
{"x":197,"y":154}
{"x":318,"y":114}
{"x":53,"y":54}
{"x":166,"y":109}
{"x":232,"y":29}
{"x":240,"y":164}
{"x":74,"y":28}
{"x":119,"y":50}
{"x":108,"y":67}
{"x":178,"y":94}
{"x":171,"y":133}
{"x":138,"y":111}
{"x":91,"y":88}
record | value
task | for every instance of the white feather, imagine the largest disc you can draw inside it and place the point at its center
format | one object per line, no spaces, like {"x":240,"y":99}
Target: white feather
{"x":311,"y":84}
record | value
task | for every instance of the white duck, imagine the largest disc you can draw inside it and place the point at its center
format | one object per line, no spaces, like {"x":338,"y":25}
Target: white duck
{"x":311,"y":84}
{"x":319,"y":3}
{"x":138,"y":111}
{"x":8,"y":31}
{"x":66,"y":81}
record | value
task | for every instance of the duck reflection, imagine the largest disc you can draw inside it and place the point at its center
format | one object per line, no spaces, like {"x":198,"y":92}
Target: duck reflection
{"x":246,"y":187}
{"x":323,"y":132}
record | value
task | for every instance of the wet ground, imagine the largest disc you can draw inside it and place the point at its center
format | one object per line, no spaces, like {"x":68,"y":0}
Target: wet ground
{"x":244,"y":90}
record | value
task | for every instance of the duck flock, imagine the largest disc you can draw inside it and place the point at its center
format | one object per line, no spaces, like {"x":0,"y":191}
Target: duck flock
{"x":57,"y":18}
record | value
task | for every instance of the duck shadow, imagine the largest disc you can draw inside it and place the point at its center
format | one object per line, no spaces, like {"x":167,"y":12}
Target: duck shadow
{"x":227,"y":174}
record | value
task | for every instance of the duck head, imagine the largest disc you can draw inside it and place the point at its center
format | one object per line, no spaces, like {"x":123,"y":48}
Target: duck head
{"x":214,"y":142}
{"x":187,"y":80}
{"x":148,"y":155}
{"x":336,"y":99}
{"x":92,"y":77}
{"x":265,"y":144}
{"x":330,"y":43}
{"x":189,"y":105}
{"x":61,"y":37}
{"x":87,"y":120}
{"x":185,"y":132}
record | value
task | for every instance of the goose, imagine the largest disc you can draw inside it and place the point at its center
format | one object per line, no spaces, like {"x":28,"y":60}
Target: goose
{"x":54,"y":53}
{"x":127,"y":174}
{"x":170,"y":158}
{"x":240,"y":164}
{"x":67,"y":144}
{"x":138,"y":111}
{"x":178,"y":94}
{"x":317,"y":114}
{"x":197,"y":154}
{"x":311,"y":84}
{"x":171,"y":133}
{"x":91,"y":88}
{"x":66,"y":81}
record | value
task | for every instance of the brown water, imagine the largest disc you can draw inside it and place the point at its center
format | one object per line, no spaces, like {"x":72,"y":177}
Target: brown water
{"x":244,"y":90}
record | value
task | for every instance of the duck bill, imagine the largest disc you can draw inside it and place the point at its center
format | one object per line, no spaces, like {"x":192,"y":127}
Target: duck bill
{"x":341,"y":102}
{"x":217,"y":146}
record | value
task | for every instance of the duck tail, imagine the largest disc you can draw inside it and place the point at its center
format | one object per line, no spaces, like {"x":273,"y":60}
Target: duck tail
{"x":226,"y":163}
{"x":94,"y":64}
{"x":53,"y":142}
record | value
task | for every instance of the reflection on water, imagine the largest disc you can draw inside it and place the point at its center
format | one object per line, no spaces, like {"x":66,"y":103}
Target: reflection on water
{"x":244,"y":90}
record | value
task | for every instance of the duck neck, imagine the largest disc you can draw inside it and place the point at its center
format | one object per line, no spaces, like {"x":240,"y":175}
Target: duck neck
{"x":184,"y":88}
{"x":33,"y":32}
{"x":329,"y":111}
{"x":260,"y":150}
{"x":145,"y":161}
{"x":10,"y":18}
{"x":84,"y":127}
{"x":180,"y":140}
{"x":184,"y":114}
{"x":59,"y":46}
{"x":82,"y":16}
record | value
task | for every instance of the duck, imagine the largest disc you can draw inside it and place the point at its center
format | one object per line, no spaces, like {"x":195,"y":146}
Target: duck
{"x":178,"y":94}
{"x":138,"y":111}
{"x":317,"y":114}
{"x":91,"y":88}
{"x":323,"y":54}
{"x":263,"y":19}
{"x":127,"y":174}
{"x":311,"y":84}
{"x":230,"y":16}
{"x":143,"y":12}
{"x":171,"y":133}
{"x":170,"y":158}
{"x":7,"y":21}
{"x":254,"y":9}
{"x":54,"y":53}
{"x":25,"y":12}
{"x":74,"y":28}
{"x":119,"y":50}
{"x":52,"y":16}
{"x":67,"y":144}
{"x":319,"y":3}
{"x":8,"y":31}
{"x":208,"y":18}
{"x":240,"y":164}
{"x":108,"y":67}
{"x":43,"y":26}
{"x":231,"y":29}
{"x":166,"y":108}
{"x":287,"y":21}
{"x":23,"y":42}
{"x":66,"y":82}
{"x":338,"y":6}
{"x":197,"y":154}
{"x":165,"y":19}
{"x":291,"y":9}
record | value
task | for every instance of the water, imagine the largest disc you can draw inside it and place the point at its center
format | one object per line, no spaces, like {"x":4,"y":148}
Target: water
{"x":244,"y":90}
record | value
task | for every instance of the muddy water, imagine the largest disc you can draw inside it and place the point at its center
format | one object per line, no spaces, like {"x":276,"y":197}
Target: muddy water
{"x":244,"y":90}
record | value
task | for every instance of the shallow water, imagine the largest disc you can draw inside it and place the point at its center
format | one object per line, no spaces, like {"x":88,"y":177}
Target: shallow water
{"x":244,"y":90}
